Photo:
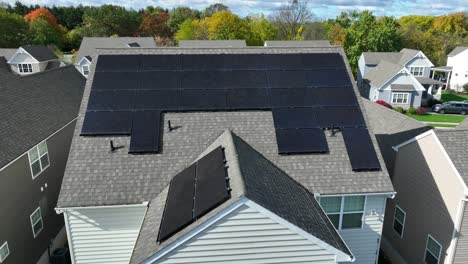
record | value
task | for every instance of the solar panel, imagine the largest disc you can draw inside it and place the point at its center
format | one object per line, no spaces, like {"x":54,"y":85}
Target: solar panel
{"x":160,"y":62}
{"x":211,"y":182}
{"x":145,"y":132}
{"x":327,"y":78}
{"x":200,"y":80}
{"x":360,"y":149}
{"x":242,"y":79}
{"x":323,"y":61}
{"x":341,"y":116}
{"x":334,"y":96}
{"x":159,"y":80}
{"x":111,"y":100}
{"x":300,"y":117}
{"x":179,"y":204}
{"x":107,"y":123}
{"x":120,"y":63}
{"x":248,"y":99}
{"x":287,"y":79}
{"x":202,"y":99}
{"x":293,"y":97}
{"x":157,"y":100}
{"x":294,"y":141}
{"x":115,"y":81}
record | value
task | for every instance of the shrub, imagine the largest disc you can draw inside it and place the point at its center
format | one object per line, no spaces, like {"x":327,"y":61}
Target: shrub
{"x":383,"y":103}
{"x":400,"y":109}
{"x":465,"y":87}
{"x":433,"y":102}
{"x":420,"y":111}
{"x":411,"y":111}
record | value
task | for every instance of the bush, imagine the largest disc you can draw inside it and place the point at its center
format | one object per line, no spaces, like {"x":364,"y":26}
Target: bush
{"x":411,"y":111}
{"x":433,"y":102}
{"x":383,"y":103}
{"x":420,"y":111}
{"x":400,"y":109}
{"x":465,"y":87}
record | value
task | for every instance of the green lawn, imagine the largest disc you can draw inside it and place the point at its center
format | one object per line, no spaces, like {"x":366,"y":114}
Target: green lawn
{"x":440,"y":125}
{"x":446,"y":97}
{"x":438,"y":118}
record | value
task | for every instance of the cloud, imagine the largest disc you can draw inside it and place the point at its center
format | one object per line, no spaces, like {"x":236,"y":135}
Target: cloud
{"x":322,"y":9}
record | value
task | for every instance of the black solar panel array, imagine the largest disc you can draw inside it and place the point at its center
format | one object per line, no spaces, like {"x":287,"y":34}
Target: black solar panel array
{"x":306,"y":92}
{"x":194,"y":192}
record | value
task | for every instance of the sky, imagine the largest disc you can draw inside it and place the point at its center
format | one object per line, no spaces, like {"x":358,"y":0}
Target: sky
{"x":322,"y":9}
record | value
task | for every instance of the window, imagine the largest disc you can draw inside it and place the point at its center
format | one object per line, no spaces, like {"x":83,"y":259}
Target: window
{"x":345,"y":212}
{"x":36,"y":222}
{"x":24,"y":68}
{"x":399,"y":221}
{"x":4,"y":252}
{"x":85,"y":69}
{"x":417,"y":71}
{"x":433,"y":250}
{"x":38,"y":159}
{"x":400,"y":98}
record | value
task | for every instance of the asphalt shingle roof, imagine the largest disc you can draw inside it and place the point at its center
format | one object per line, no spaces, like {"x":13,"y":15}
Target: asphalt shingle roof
{"x":402,"y":87}
{"x":383,"y":72}
{"x":7,"y":53}
{"x":96,"y":177}
{"x":296,"y":43}
{"x":253,"y":176}
{"x":455,"y":142}
{"x":89,"y":45}
{"x":32,"y":107}
{"x":457,"y":51}
{"x":40,"y":52}
{"x":373,"y":58}
{"x":200,"y":44}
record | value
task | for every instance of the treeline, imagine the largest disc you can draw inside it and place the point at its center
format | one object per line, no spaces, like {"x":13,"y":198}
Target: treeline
{"x":64,"y":27}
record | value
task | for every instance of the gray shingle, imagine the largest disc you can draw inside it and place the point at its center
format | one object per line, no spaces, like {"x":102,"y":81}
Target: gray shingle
{"x":253,"y":176}
{"x":463,"y":125}
{"x":7,"y":53}
{"x":455,"y":142}
{"x":402,"y":87}
{"x":40,"y":52}
{"x":202,"y":44}
{"x":373,"y":58}
{"x":32,"y":107}
{"x":383,"y":72}
{"x":457,"y":51}
{"x":407,"y":55}
{"x":95,"y":177}
{"x":296,"y":43}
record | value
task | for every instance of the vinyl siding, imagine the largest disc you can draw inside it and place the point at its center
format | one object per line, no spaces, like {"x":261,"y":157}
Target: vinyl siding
{"x":429,"y":191}
{"x":461,"y":251}
{"x":416,"y":96}
{"x":103,"y":235}
{"x":364,"y":243}
{"x":459,"y":75}
{"x":247,"y":236}
{"x":421,"y":62}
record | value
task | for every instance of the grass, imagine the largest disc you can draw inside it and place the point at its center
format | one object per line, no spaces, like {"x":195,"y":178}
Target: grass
{"x":440,"y":125}
{"x":446,"y":97}
{"x":438,"y":118}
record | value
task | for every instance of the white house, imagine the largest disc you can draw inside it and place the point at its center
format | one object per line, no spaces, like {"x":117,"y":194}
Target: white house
{"x":33,"y":59}
{"x":458,"y":60}
{"x":399,"y":78}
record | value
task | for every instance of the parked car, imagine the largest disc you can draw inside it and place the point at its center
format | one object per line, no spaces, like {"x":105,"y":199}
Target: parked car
{"x":451,"y":108}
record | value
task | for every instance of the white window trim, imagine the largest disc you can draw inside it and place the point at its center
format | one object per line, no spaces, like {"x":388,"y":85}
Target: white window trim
{"x":402,"y":224}
{"x":398,"y":93}
{"x":40,"y":220}
{"x":340,"y":223}
{"x":21,"y":68}
{"x":420,"y":70}
{"x":39,"y":158}
{"x":5,"y":245}
{"x":83,"y":69}
{"x":426,"y":250}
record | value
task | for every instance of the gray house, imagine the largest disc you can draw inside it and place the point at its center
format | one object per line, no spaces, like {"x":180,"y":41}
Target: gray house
{"x":33,"y":59}
{"x":398,"y":78}
{"x":119,"y":206}
{"x":38,"y":114}
{"x":89,"y":45}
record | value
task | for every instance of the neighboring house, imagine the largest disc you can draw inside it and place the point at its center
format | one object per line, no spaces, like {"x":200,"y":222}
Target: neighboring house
{"x":458,"y":61}
{"x":38,"y":114}
{"x":296,"y":43}
{"x":122,"y":208}
{"x":399,"y":78}
{"x":212,"y":44}
{"x":428,"y":219}
{"x":33,"y":59}
{"x":89,"y":45}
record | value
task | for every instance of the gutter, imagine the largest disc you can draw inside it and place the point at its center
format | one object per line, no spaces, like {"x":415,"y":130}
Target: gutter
{"x":390,"y":195}
{"x":456,"y":229}
{"x":60,"y":210}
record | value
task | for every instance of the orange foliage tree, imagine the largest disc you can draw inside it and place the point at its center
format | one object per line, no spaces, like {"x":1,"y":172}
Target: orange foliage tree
{"x":42,"y":13}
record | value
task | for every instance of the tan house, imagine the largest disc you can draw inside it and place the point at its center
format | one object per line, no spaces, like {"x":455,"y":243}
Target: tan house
{"x":428,"y":219}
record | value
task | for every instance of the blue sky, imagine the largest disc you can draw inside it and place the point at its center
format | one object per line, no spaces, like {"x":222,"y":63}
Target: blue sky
{"x":321,"y":8}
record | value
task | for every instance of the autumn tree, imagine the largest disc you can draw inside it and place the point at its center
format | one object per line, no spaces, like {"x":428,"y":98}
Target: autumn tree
{"x":192,"y":29}
{"x":180,"y":14}
{"x":291,"y":18}
{"x":13,"y":30}
{"x":215,"y":8}
{"x":225,"y":25}
{"x":42,"y":13}
{"x":155,"y":25}
{"x":260,"y":30}
{"x":44,"y":29}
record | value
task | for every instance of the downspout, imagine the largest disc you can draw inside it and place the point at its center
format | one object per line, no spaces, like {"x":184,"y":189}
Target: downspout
{"x":456,"y":229}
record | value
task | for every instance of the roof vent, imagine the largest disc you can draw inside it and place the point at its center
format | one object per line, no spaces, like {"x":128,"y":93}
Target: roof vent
{"x":169,"y":125}
{"x":333,"y":130}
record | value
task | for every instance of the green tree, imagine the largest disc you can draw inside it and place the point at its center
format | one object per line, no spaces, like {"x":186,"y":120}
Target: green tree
{"x":260,"y":30}
{"x":192,"y":29}
{"x":107,"y":20}
{"x":180,"y":14}
{"x":225,"y":25}
{"x":215,"y":8}
{"x":41,"y":32}
{"x":73,"y":39}
{"x":13,"y":30}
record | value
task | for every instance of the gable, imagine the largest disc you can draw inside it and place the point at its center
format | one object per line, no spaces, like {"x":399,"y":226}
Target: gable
{"x":403,"y":78}
{"x":421,"y":61}
{"x":246,"y":234}
{"x":21,"y":56}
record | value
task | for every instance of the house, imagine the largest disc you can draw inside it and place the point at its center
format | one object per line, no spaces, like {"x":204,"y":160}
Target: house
{"x":89,"y":45}
{"x":212,"y":44}
{"x":296,"y":43}
{"x":430,"y":177}
{"x":458,"y":61}
{"x":33,"y":59}
{"x":119,"y":192}
{"x":399,"y":78}
{"x":38,"y":116}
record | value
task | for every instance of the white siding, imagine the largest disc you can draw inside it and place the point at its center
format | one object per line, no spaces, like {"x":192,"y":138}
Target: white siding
{"x":459,"y":71}
{"x":364,"y":243}
{"x":247,"y":236}
{"x":103,"y":235}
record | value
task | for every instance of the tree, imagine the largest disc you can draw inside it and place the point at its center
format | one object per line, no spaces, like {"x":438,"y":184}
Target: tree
{"x":73,"y":39}
{"x":69,"y":16}
{"x":108,"y":20}
{"x":290,"y":19}
{"x":13,"y":30}
{"x":260,"y":30}
{"x":180,"y":14}
{"x":41,"y":32}
{"x":155,"y":25}
{"x":225,"y":25}
{"x":192,"y":29}
{"x":314,"y":30}
{"x":22,"y":9}
{"x":42,"y":13}
{"x":215,"y":8}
